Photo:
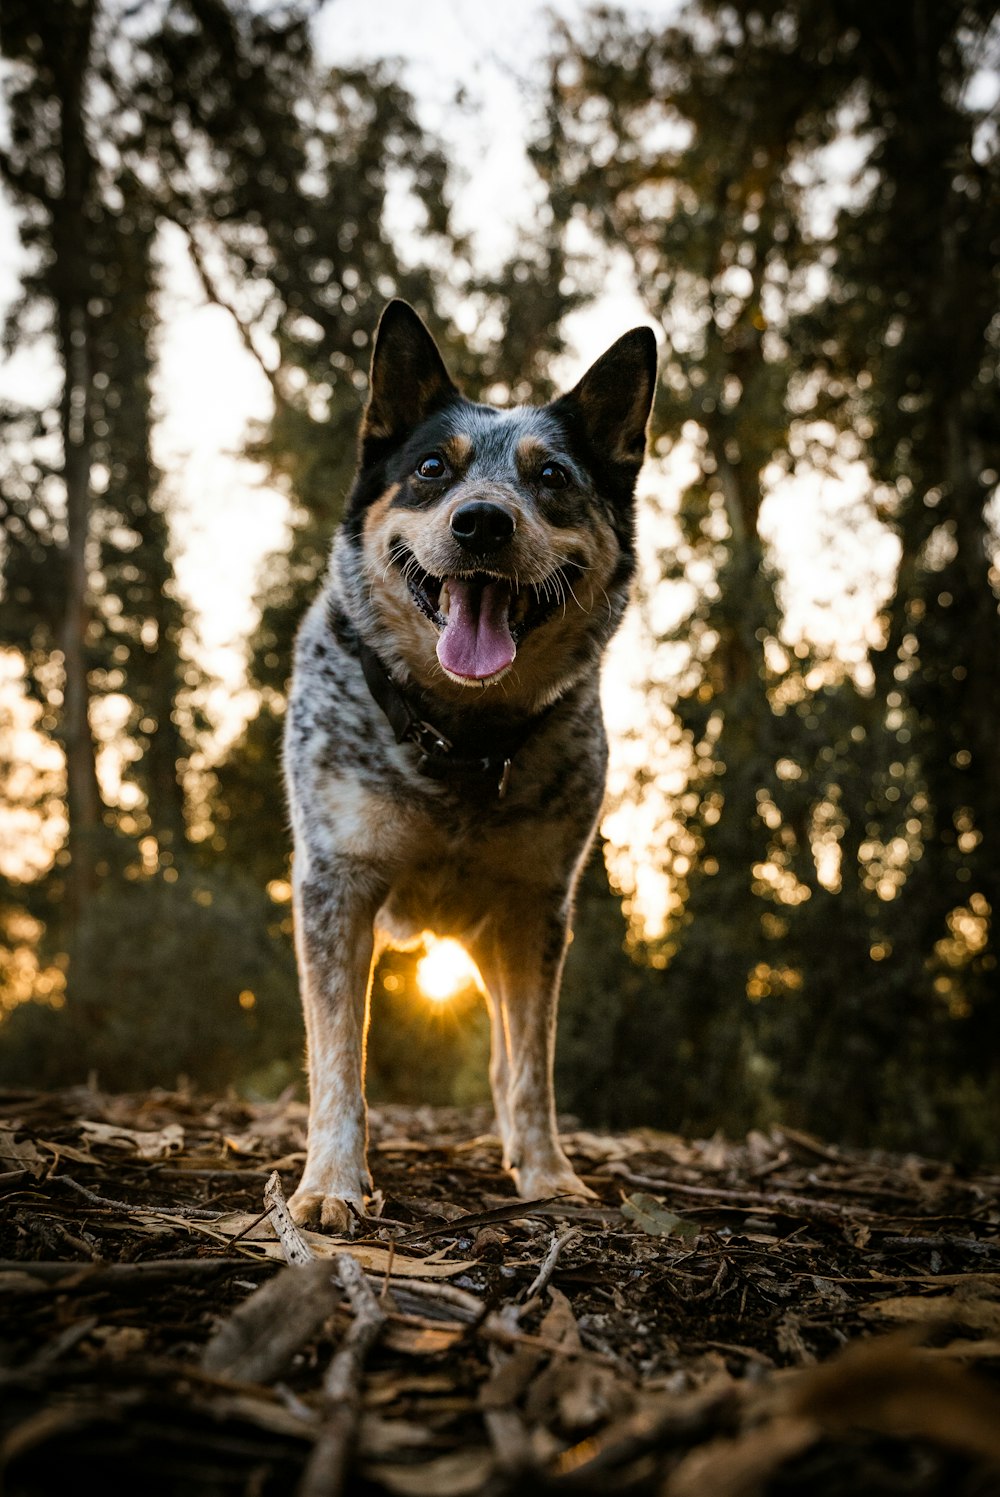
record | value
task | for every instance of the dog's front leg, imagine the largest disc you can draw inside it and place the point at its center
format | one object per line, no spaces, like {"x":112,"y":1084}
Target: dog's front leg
{"x":521,"y":960}
{"x":334,"y":917}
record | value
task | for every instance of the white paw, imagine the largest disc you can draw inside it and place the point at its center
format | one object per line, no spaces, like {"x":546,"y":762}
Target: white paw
{"x":329,"y":1209}
{"x":536,"y":1184}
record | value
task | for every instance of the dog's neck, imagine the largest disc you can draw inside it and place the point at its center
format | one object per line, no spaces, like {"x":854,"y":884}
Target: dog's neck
{"x":480,"y":761}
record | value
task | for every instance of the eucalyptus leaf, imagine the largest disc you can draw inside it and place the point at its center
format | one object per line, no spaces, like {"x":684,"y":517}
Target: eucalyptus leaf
{"x":658,"y":1220}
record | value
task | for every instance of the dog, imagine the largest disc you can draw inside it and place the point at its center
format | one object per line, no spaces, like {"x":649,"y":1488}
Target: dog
{"x":445,"y":751}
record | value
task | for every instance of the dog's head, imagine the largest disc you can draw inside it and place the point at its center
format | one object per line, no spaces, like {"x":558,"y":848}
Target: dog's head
{"x":494,"y":547}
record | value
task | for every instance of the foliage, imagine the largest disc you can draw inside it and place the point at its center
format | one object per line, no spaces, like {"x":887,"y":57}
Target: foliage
{"x":420,"y":1052}
{"x":181,"y":972}
{"x":829,"y":852}
{"x":78,"y":486}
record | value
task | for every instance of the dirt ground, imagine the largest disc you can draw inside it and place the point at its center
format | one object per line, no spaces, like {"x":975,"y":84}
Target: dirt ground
{"x":776,"y":1316}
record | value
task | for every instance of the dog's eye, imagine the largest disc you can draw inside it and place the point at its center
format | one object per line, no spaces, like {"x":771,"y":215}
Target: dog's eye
{"x":553,"y":476}
{"x":432,"y":466}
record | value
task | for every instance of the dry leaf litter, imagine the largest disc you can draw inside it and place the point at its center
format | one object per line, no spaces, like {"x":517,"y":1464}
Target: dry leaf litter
{"x":771,"y":1317}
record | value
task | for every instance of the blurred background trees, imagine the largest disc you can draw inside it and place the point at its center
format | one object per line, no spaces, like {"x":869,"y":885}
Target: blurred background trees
{"x":805,"y":197}
{"x":833,"y":847}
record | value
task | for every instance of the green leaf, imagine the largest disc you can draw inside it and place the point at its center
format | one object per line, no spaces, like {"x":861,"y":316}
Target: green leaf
{"x":653,"y":1217}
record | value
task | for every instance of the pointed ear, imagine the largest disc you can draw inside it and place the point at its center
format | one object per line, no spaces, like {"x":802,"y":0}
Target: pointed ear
{"x":408,"y":378}
{"x":613,"y":400}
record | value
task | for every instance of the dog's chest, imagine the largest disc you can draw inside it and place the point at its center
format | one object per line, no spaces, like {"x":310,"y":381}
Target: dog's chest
{"x":444,"y":850}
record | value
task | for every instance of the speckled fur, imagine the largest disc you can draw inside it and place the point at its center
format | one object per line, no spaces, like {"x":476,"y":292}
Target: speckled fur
{"x":382,"y":852}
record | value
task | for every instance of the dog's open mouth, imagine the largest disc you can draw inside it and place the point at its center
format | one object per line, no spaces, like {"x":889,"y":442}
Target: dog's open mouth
{"x":481,"y":617}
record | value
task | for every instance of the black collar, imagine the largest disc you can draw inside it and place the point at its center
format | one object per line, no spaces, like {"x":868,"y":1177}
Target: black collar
{"x":479,"y":762}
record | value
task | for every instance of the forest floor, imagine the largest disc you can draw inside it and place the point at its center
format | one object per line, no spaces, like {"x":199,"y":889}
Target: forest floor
{"x":776,"y":1316}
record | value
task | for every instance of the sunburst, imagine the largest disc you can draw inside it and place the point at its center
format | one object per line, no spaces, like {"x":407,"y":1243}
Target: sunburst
{"x":445,"y":970}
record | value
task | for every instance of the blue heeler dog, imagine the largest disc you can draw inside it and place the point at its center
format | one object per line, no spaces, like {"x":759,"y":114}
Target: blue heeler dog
{"x":445,"y":750}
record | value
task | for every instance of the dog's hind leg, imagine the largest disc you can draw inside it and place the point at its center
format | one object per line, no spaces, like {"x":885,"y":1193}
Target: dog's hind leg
{"x":334,"y":917}
{"x":521,"y":959}
{"x":499,"y":1069}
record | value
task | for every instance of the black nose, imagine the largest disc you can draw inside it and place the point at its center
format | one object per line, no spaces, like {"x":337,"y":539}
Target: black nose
{"x":480,"y":526}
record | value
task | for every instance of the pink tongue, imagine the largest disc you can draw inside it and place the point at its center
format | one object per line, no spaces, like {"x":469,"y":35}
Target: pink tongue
{"x":477,"y":641}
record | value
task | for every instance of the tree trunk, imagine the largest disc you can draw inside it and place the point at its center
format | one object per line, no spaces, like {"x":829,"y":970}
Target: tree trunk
{"x":71,"y":278}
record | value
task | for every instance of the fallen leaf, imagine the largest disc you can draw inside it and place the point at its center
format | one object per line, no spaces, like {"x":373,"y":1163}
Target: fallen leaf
{"x":159,"y":1143}
{"x":21,"y":1155}
{"x":957,"y":1309}
{"x":119,"y":1341}
{"x":263,"y":1239}
{"x":66,"y":1151}
{"x":243,"y":1144}
{"x":598,"y":1146}
{"x":658,"y":1220}
{"x":458,"y":1474}
{"x":423,"y":1341}
{"x":892,"y":1388}
{"x":742,"y":1467}
{"x":378,"y":1437}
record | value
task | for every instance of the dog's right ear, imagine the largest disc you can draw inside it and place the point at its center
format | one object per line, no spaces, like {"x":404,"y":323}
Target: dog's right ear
{"x":408,"y":380}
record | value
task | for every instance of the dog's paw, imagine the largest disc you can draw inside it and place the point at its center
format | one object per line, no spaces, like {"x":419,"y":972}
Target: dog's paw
{"x":536,"y":1184}
{"x":329,"y":1213}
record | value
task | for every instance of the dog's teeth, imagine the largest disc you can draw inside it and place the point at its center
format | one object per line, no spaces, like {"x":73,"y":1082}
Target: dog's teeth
{"x":444,"y":601}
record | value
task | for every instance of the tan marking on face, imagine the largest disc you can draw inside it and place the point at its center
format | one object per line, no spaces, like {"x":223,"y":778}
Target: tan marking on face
{"x":377,"y":512}
{"x":530,"y":450}
{"x":457,"y":449}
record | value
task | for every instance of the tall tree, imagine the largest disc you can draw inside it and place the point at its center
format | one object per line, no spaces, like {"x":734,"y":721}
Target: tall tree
{"x":51,"y":170}
{"x":679,"y":149}
{"x":797,"y":338}
{"x":912,"y":353}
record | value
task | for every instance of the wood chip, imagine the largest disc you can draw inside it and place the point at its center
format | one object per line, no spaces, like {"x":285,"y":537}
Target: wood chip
{"x":293,"y":1244}
{"x":257,"y":1342}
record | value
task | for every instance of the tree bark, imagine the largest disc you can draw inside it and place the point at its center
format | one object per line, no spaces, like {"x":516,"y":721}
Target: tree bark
{"x":71,"y":278}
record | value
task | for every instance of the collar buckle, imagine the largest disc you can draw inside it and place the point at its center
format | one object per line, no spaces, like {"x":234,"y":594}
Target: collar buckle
{"x":428,"y":739}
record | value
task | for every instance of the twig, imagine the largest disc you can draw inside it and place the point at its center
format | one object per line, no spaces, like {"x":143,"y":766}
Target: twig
{"x":60,"y":1275}
{"x":787,"y":1205}
{"x":214,"y":293}
{"x":544,"y":1275}
{"x":251,"y":1225}
{"x":460,"y":1304}
{"x":131,"y":1208}
{"x":542,"y":1207}
{"x":293,"y":1244}
{"x":327,"y":1465}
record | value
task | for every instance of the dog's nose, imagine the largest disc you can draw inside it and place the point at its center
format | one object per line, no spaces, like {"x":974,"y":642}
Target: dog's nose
{"x":480,"y":526}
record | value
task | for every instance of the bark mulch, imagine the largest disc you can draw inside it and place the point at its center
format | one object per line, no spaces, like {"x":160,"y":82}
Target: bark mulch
{"x":776,"y":1316}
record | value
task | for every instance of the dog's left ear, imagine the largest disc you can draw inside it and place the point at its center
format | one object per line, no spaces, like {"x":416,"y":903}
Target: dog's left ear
{"x":408,"y":379}
{"x":613,"y":400}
